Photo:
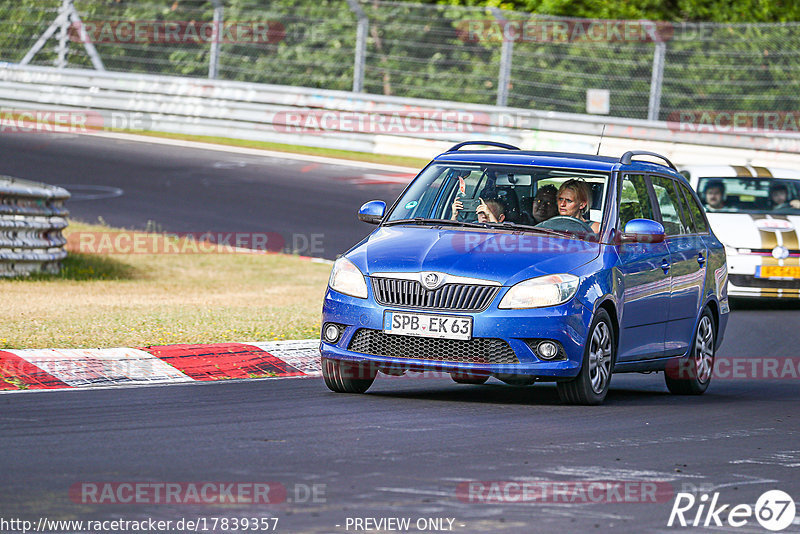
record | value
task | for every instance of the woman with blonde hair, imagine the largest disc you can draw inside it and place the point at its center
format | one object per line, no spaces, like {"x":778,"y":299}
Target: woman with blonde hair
{"x":572,"y":199}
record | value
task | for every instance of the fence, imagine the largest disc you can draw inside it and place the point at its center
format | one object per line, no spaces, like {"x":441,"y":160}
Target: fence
{"x":32,"y":216}
{"x":630,"y":69}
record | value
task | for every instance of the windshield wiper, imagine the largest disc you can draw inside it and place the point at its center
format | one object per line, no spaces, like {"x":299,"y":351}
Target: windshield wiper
{"x":527,"y":227}
{"x":439,"y":222}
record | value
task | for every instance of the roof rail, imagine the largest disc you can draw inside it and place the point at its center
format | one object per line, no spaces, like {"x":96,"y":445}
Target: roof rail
{"x":455,"y":148}
{"x":628,"y":156}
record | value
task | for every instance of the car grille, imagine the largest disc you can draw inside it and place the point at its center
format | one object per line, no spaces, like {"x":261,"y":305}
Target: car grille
{"x":743,"y":280}
{"x":411,"y":293}
{"x":476,"y":350}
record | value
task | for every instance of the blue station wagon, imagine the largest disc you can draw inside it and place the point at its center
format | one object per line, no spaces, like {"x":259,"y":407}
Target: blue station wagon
{"x":531,"y":266}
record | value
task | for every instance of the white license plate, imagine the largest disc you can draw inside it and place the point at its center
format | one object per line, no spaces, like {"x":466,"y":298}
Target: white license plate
{"x":423,"y":325}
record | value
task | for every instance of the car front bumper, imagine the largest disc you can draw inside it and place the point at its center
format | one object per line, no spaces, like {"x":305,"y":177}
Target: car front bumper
{"x":567,"y":324}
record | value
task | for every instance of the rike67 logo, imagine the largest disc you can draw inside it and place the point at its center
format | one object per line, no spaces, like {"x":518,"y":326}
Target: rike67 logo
{"x":774,"y":510}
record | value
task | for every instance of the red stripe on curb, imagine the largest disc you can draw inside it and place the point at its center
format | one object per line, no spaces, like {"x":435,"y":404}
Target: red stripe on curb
{"x":16,"y":374}
{"x":223,"y":360}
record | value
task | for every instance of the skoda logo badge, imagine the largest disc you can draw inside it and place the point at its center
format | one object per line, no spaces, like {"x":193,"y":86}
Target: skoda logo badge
{"x":430,"y":280}
{"x":780,"y":253}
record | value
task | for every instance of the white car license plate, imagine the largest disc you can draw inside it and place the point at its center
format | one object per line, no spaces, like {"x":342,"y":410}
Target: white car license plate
{"x":423,"y":325}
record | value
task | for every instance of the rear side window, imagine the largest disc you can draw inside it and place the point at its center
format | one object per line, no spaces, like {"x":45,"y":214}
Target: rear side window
{"x":673,"y":219}
{"x":634,"y":201}
{"x":693,"y":207}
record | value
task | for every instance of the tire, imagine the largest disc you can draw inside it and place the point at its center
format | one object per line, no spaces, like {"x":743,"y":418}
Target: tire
{"x":466,"y":378}
{"x":347,"y":377}
{"x":692,"y":375}
{"x":591,"y":385}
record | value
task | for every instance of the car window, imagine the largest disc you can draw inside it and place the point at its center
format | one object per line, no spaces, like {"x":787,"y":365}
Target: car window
{"x":505,"y":190}
{"x":634,"y":200}
{"x":694,"y":208}
{"x":750,"y":194}
{"x":672,"y":218}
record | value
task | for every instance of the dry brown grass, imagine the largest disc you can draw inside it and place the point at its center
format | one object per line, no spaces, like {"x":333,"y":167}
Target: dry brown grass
{"x":152,"y":299}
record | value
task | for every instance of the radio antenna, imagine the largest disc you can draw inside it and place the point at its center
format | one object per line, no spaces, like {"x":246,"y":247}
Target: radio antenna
{"x":601,"y":140}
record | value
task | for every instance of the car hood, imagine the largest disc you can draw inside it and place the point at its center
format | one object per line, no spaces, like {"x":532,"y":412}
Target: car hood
{"x":499,"y":256}
{"x":754,"y":230}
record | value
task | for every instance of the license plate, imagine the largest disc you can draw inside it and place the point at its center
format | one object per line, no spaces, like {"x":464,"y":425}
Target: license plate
{"x":778,"y":271}
{"x":423,"y":325}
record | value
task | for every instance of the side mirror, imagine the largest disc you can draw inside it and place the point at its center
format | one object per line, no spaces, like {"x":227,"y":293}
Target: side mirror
{"x":643,"y":231}
{"x":372,"y":212}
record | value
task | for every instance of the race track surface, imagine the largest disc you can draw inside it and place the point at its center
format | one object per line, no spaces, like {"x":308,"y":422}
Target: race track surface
{"x":407,"y":448}
{"x":312,"y":207}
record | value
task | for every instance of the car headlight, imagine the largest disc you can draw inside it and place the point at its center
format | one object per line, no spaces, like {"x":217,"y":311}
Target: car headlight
{"x":346,"y":278}
{"x":730,"y":251}
{"x":542,"y":291}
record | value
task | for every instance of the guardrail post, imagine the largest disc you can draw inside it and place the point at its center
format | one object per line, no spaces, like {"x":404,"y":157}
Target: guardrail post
{"x":361,"y":46}
{"x":213,"y":57}
{"x":656,"y":81}
{"x":506,"y":53}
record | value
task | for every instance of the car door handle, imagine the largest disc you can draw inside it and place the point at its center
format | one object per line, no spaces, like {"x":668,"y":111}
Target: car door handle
{"x":665,"y":266}
{"x":700,"y":259}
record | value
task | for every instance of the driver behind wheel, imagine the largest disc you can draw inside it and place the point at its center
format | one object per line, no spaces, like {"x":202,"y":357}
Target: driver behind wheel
{"x":573,"y":198}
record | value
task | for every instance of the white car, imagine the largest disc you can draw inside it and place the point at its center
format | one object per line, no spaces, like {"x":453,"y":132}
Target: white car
{"x":755,"y":212}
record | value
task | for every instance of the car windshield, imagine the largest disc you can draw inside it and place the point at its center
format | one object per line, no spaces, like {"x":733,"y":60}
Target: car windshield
{"x":750,"y":195}
{"x":498,"y":195}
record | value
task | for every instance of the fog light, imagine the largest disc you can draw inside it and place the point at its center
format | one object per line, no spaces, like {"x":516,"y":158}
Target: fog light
{"x":331,"y":333}
{"x":547,"y":350}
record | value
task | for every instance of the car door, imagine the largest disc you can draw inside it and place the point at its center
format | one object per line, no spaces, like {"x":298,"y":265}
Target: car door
{"x":645,"y":283}
{"x":688,"y":260}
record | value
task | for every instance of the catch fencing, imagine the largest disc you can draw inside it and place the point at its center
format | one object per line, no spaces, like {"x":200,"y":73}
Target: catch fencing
{"x":628,"y":69}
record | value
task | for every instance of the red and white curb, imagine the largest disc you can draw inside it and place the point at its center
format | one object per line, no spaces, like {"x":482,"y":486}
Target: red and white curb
{"x":32,"y":369}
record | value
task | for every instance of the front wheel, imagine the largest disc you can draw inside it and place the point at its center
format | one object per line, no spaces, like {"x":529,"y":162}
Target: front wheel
{"x":691,"y":375}
{"x":347,"y":377}
{"x":591,"y":384}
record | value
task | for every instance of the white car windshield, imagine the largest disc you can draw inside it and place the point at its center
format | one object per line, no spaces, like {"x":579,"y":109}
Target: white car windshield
{"x":750,"y":195}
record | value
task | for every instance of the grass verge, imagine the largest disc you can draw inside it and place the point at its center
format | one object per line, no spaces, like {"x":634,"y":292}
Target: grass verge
{"x":119,"y":300}
{"x":406,"y":161}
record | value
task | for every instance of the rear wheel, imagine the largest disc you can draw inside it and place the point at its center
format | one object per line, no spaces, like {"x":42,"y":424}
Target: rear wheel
{"x":347,"y":377}
{"x":591,"y":384}
{"x":691,"y":375}
{"x":466,"y":378}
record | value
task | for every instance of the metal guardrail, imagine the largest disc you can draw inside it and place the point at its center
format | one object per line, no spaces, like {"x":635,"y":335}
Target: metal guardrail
{"x":32,"y":216}
{"x":259,"y":112}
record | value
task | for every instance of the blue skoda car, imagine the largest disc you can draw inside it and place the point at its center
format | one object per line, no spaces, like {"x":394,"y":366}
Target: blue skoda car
{"x":531,"y":266}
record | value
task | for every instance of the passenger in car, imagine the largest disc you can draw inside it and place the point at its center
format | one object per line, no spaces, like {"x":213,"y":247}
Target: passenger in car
{"x":779,"y":197}
{"x":490,"y":210}
{"x":573,"y":198}
{"x":715,"y":196}
{"x":544,"y":204}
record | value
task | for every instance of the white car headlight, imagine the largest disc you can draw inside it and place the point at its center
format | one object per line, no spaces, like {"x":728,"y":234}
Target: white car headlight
{"x":542,"y":291}
{"x":730,"y":251}
{"x":346,"y":278}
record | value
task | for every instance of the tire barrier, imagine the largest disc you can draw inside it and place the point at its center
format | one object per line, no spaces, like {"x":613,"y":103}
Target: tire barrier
{"x":32,"y":217}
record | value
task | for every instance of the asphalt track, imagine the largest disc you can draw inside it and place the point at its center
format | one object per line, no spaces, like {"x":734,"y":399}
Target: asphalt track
{"x":402,"y":449}
{"x":309,"y":208}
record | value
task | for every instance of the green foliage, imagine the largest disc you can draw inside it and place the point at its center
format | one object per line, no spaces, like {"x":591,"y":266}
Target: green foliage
{"x":422,"y":50}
